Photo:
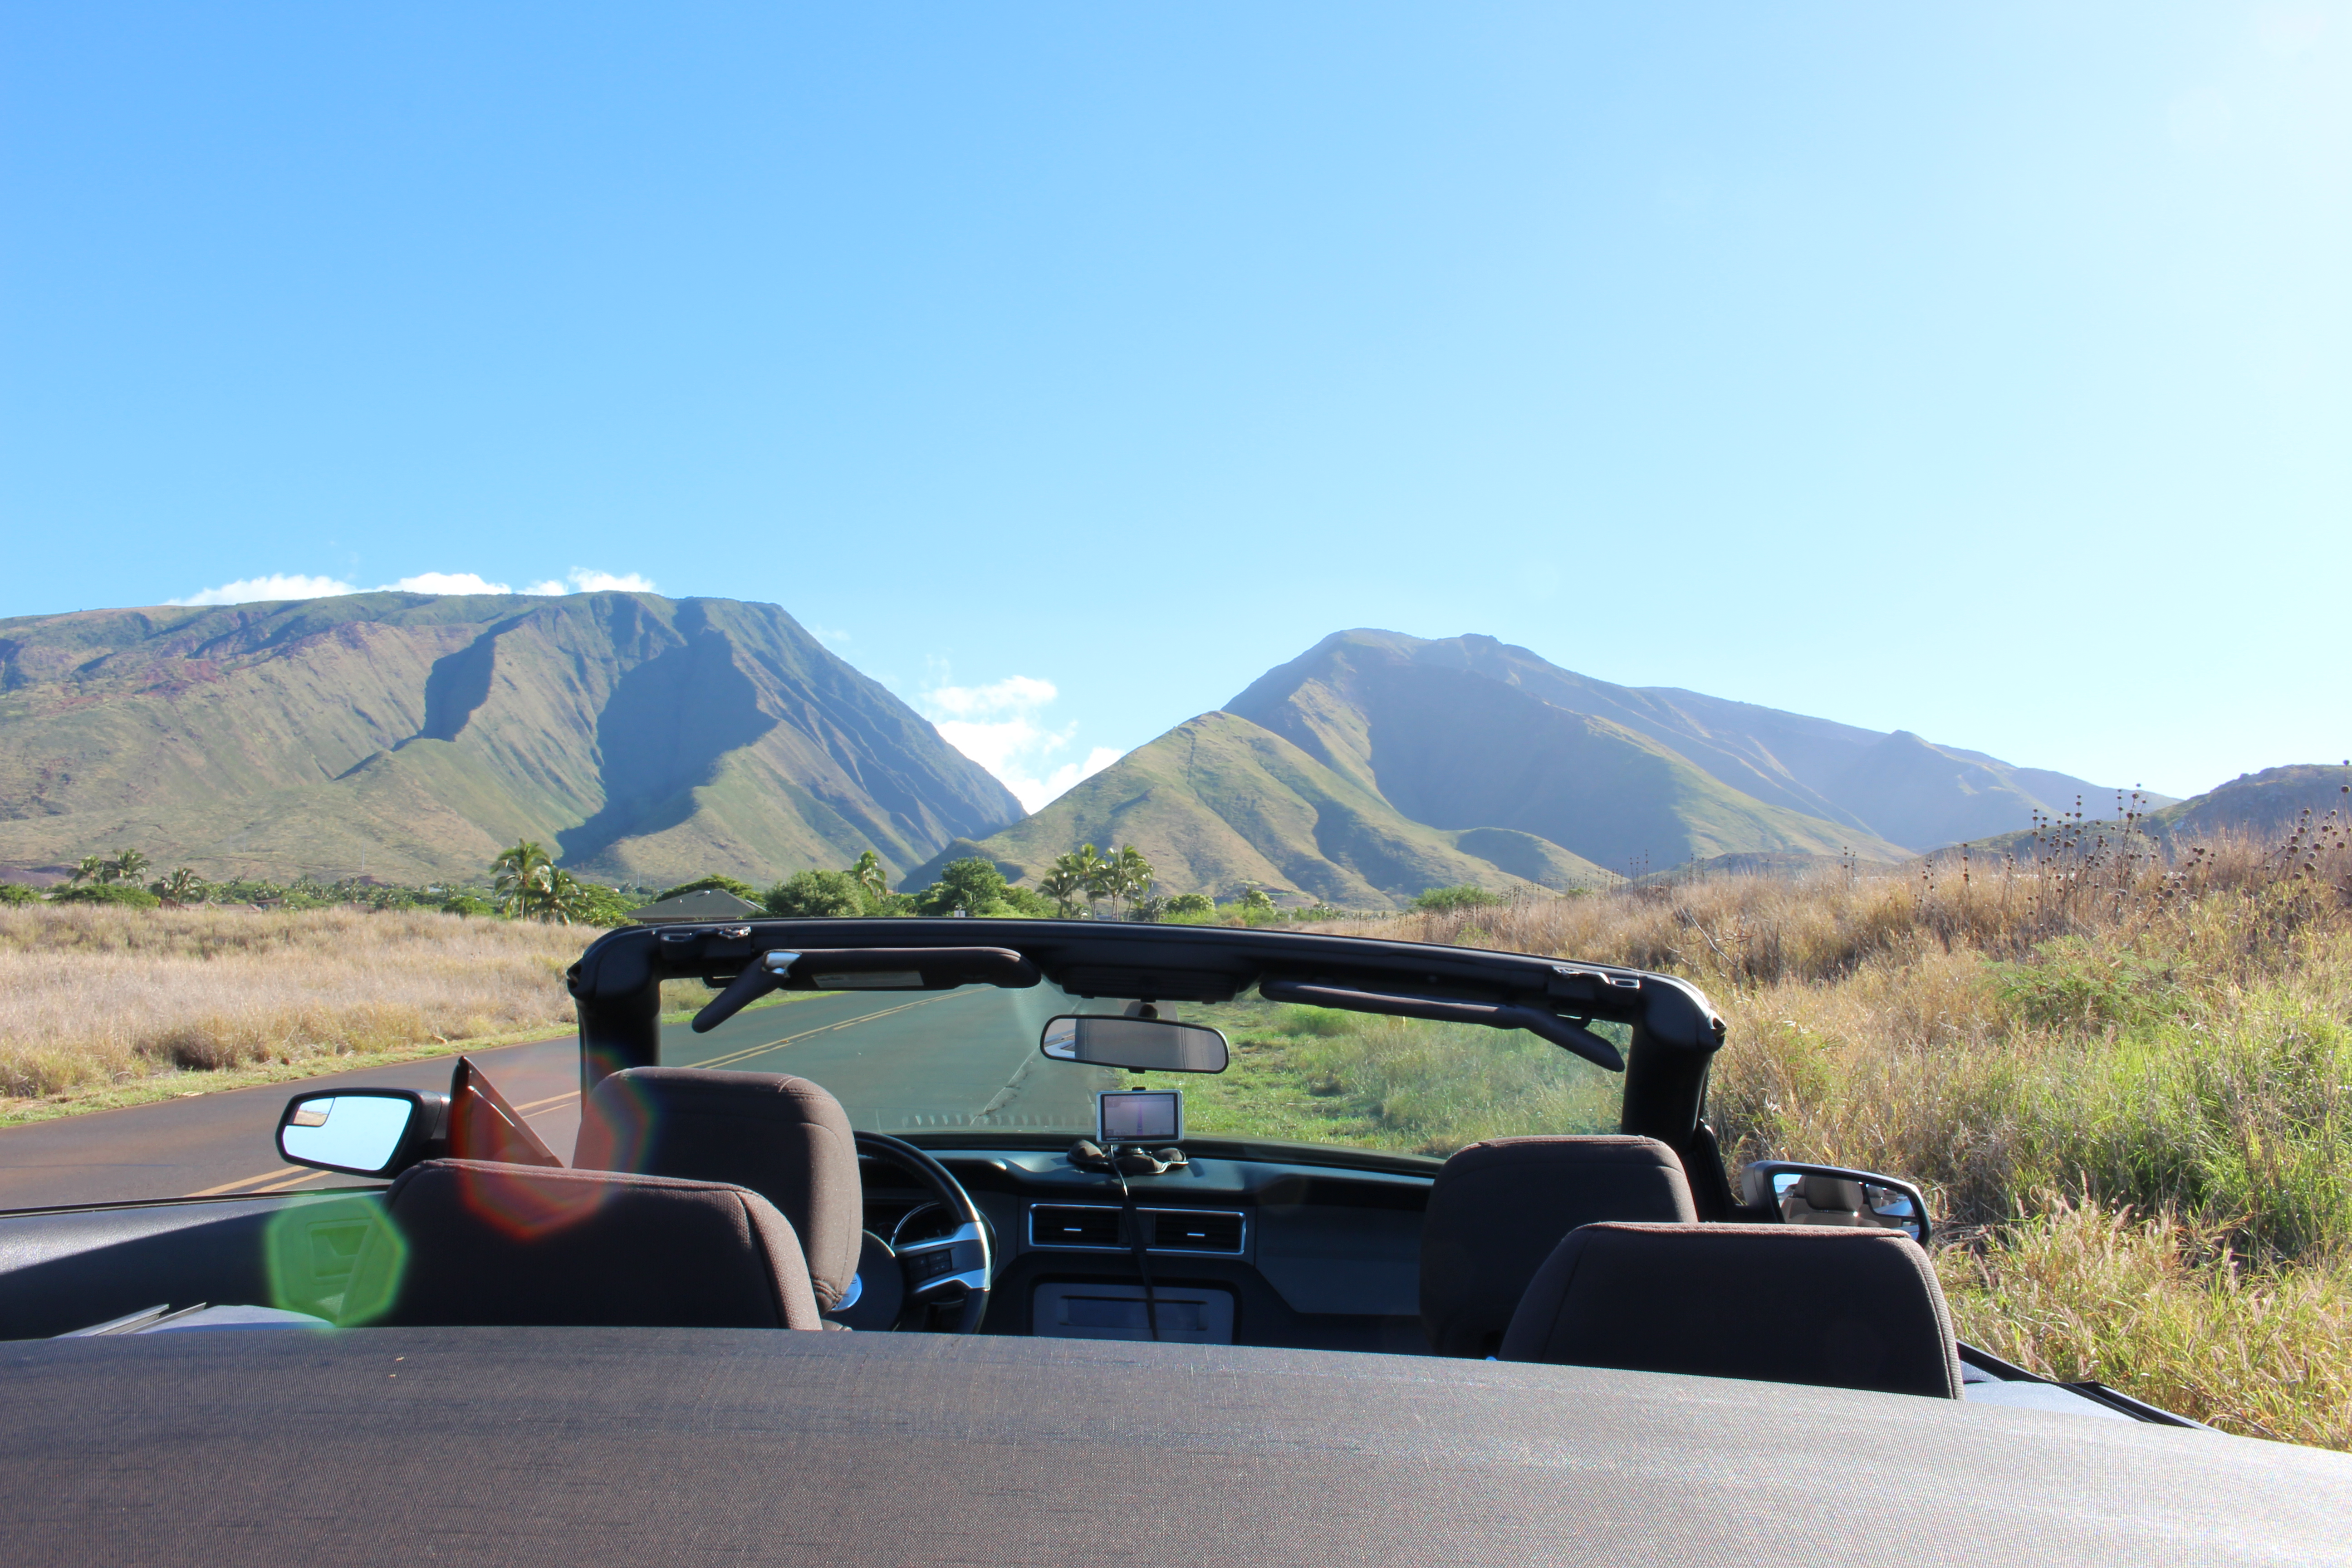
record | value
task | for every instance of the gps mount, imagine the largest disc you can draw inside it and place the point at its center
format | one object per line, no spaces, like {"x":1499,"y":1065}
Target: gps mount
{"x":1125,"y":1159}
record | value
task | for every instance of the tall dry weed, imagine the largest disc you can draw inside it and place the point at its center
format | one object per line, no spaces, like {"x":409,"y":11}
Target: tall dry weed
{"x":91,"y":995}
{"x":2159,"y":1308}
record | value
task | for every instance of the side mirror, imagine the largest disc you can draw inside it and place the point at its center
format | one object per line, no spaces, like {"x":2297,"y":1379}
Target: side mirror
{"x":1831,"y":1195}
{"x":1140,"y":1044}
{"x":361,"y":1131}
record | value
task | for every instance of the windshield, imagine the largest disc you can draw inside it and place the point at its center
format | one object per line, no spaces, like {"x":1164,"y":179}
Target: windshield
{"x":968,"y":1061}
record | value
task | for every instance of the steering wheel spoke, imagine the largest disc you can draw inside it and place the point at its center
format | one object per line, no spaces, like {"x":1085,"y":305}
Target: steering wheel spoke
{"x":933,"y":1269}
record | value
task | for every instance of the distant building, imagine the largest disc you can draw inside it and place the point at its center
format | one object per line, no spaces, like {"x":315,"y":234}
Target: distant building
{"x":702,"y":904}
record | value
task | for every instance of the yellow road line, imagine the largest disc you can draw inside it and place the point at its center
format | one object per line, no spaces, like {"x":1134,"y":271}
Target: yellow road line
{"x":538,"y":1105}
{"x":289,"y":1182}
{"x":826,"y":1029}
{"x":271,"y":1175}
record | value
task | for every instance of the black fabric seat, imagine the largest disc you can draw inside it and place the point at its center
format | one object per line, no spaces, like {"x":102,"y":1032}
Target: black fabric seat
{"x":477,"y":1243}
{"x":1777,"y":1304}
{"x":1499,"y":1207}
{"x":784,"y":1138}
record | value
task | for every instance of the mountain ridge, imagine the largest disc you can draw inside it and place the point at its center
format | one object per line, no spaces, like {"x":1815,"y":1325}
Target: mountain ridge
{"x":1375,"y":765}
{"x":646,"y":738}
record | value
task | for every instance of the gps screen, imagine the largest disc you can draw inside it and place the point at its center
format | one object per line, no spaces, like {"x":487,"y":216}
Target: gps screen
{"x":1139,"y":1116}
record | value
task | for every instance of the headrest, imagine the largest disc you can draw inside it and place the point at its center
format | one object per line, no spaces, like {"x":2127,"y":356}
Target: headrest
{"x":784,"y":1138}
{"x":1779,"y":1303}
{"x":1499,"y":1207}
{"x":473,"y":1242}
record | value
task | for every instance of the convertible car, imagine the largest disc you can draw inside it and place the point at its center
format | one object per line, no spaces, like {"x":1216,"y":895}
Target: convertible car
{"x":972,"y":1241}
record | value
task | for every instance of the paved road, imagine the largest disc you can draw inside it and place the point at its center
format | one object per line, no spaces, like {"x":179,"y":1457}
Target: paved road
{"x":897,"y":1062}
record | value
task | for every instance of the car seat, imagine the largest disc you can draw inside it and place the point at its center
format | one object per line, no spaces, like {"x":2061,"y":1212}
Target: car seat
{"x":475,"y":1242}
{"x":784,"y":1138}
{"x":1780,"y":1303}
{"x":1499,"y":1207}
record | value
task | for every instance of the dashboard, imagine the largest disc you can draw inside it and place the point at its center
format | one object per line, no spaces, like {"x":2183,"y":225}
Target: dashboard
{"x":1240,"y":1251}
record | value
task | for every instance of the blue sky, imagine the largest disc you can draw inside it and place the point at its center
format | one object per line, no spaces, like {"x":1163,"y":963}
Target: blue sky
{"x":1985,"y":375}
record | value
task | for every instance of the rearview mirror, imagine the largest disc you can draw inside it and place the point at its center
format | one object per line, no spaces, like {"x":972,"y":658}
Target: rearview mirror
{"x":1140,"y":1044}
{"x":360,"y":1132}
{"x":1833,"y":1195}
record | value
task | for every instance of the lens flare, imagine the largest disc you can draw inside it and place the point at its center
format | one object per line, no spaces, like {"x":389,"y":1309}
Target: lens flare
{"x":617,"y":1128}
{"x":524,"y":1203}
{"x":340,"y":1259}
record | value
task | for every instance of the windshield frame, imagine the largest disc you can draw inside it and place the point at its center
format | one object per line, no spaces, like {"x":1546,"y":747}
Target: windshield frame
{"x":1675,"y":1031}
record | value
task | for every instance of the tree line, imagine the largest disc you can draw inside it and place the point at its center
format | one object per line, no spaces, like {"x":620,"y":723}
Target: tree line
{"x":525,"y":883}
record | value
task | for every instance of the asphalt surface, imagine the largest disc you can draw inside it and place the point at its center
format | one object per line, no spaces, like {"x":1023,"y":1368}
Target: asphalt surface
{"x":897,"y":1061}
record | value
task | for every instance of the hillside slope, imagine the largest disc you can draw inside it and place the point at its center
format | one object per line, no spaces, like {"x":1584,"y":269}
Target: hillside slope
{"x":1375,"y":706}
{"x":1218,"y":802}
{"x":1453,"y":745}
{"x":2269,"y":804}
{"x":645,"y":738}
{"x":2266,"y":806}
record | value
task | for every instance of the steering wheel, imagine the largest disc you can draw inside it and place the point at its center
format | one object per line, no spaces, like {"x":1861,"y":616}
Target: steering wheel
{"x":929,"y":1272}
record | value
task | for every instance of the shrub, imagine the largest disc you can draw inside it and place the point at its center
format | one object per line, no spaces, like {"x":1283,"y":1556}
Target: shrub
{"x":1192,"y":904}
{"x":1029,"y":902}
{"x":467,"y":904}
{"x":974,"y":885}
{"x":1445,"y":900}
{"x":18,"y":893}
{"x":116,"y":893}
{"x":594,"y":905}
{"x":817,"y":895}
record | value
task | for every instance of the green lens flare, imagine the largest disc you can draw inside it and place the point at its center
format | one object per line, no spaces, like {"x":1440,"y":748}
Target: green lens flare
{"x":339,"y":1258}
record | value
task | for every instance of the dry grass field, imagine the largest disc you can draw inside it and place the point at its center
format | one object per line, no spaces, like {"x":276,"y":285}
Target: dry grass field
{"x":92,"y":997}
{"x":2127,"y":1085}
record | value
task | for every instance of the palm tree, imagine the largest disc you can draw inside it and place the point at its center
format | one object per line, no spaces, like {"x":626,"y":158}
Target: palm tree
{"x":126,"y":866}
{"x":870,"y":877}
{"x":1064,"y":885}
{"x":92,"y":870}
{"x":1096,"y":873}
{"x":564,"y":896}
{"x":524,"y":875}
{"x":182,"y":887}
{"x":1133,"y":874}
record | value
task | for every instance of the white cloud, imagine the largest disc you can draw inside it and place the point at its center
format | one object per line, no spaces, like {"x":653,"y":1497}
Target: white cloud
{"x":1018,"y":694}
{"x":293,"y":585}
{"x":247,"y":590}
{"x":1069,"y":775}
{"x":1001,"y":727}
{"x":586,"y":582}
{"x":448,"y":583}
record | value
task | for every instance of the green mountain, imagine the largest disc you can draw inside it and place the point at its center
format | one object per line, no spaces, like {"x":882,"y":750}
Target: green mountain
{"x":1218,"y":802}
{"x":1376,"y":765}
{"x":2269,"y":804}
{"x":1375,"y":697}
{"x":413,"y":735}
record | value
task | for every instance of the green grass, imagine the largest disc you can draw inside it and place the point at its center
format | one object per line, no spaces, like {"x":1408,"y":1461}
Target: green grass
{"x":1401,"y":1085}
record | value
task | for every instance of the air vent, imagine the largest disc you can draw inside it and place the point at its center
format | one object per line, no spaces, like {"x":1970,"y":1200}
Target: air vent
{"x":1072,"y":1224}
{"x":1194,"y":1230}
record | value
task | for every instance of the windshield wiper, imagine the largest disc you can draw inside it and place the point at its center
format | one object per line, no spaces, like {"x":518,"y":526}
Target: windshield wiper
{"x":1567,"y":1033}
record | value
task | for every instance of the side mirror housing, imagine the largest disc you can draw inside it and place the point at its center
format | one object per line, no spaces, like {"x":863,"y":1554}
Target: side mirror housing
{"x":363,"y":1131}
{"x":1140,"y":1044}
{"x":1796,"y":1193}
